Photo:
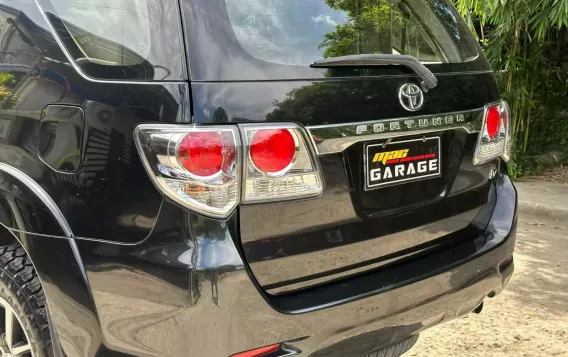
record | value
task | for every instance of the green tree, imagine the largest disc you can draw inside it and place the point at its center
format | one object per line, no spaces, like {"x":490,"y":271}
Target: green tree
{"x":381,"y":26}
{"x":516,"y":36}
{"x":6,"y":80}
{"x":367,"y":29}
{"x":7,"y":97}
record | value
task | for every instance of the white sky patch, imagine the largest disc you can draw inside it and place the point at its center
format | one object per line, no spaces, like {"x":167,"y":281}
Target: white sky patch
{"x":325,"y":19}
{"x":284,"y":34}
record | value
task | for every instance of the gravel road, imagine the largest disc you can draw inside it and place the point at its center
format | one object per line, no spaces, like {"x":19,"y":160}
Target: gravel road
{"x":530,"y":318}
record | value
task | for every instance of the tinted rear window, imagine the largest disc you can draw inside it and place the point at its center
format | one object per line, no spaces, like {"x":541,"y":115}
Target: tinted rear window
{"x":295,"y":33}
{"x":300,"y":32}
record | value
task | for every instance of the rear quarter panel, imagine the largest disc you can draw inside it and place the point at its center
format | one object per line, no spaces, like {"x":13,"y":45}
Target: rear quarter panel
{"x":110,"y":197}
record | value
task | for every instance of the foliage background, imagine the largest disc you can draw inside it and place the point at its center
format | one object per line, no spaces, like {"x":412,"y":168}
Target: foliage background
{"x":526,"y":42}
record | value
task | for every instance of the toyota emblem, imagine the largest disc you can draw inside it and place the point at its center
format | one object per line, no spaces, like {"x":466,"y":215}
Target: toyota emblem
{"x":411,"y":97}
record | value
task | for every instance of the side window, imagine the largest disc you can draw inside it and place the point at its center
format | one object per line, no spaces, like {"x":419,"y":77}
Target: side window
{"x":135,"y":40}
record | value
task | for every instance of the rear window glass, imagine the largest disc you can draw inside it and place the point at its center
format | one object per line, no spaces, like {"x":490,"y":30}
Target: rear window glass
{"x":299,"y":32}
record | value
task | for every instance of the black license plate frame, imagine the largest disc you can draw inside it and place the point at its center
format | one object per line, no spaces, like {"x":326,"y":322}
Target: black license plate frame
{"x":382,"y":162}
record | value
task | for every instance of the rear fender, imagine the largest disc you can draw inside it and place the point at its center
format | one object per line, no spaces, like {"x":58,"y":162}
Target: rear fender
{"x":25,"y":210}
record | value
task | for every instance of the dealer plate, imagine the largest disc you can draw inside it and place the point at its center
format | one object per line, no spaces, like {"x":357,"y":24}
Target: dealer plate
{"x":402,"y":162}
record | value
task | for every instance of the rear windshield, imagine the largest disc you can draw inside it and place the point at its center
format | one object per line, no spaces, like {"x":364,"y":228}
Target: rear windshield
{"x":296,"y":33}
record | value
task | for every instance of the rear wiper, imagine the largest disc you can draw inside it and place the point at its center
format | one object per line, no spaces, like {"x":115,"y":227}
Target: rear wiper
{"x":429,"y":81}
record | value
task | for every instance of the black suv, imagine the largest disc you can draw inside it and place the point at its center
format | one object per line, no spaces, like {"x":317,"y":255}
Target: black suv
{"x":215,"y":178}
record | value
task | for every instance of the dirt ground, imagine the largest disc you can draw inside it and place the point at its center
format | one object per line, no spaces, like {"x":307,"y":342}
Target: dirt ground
{"x":557,"y":174}
{"x":530,"y":318}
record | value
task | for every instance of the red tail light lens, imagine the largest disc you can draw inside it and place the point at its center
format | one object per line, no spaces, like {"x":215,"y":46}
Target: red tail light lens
{"x":201,"y":153}
{"x":197,"y":168}
{"x":495,"y":138}
{"x":493,"y":121}
{"x":272,"y":150}
{"x":280,"y":164}
{"x":202,"y":167}
{"x":258,"y":352}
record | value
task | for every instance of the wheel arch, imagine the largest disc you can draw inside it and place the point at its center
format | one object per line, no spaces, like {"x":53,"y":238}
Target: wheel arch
{"x":31,"y":194}
{"x":30,"y":217}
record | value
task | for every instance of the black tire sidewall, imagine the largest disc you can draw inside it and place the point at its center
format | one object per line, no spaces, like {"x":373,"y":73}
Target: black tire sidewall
{"x":17,"y":298}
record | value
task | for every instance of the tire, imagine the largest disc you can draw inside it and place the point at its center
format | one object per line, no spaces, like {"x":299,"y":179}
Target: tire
{"x":21,"y":296}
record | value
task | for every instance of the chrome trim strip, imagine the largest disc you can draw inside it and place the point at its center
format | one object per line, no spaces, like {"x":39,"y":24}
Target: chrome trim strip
{"x":289,"y":351}
{"x":334,"y":138}
{"x":77,"y":68}
{"x":41,"y":194}
{"x":51,"y":206}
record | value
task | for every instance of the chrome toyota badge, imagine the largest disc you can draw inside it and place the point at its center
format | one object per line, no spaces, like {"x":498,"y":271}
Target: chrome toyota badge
{"x":411,"y":97}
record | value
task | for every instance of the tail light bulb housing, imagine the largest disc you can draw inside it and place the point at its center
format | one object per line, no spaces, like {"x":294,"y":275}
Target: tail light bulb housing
{"x":495,"y":139}
{"x":197,"y":168}
{"x":210,"y":169}
{"x":282,"y":164}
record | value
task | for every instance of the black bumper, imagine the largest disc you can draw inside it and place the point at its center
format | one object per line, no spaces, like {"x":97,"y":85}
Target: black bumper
{"x":360,"y":317}
{"x":370,"y":317}
{"x":186,"y":291}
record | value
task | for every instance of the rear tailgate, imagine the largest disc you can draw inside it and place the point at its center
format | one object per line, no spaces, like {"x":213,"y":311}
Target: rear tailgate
{"x":348,"y":227}
{"x":351,"y":115}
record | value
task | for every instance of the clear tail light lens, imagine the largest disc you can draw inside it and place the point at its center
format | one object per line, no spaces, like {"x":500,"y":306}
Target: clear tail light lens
{"x":281,"y":164}
{"x":508,"y":130}
{"x":495,"y":139}
{"x":206,"y":168}
{"x":195,"y":167}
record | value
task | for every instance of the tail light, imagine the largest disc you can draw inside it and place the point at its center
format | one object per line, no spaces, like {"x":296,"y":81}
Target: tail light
{"x":508,"y":128}
{"x":206,"y":168}
{"x":262,"y":351}
{"x":495,"y":139}
{"x":280,"y":166}
{"x":195,"y":167}
{"x":278,"y":350}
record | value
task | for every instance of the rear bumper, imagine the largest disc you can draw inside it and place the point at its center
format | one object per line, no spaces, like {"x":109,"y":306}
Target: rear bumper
{"x":389,"y":314}
{"x":186,"y":291}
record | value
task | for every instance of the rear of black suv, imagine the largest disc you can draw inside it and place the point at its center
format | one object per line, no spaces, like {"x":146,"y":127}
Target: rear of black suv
{"x":253,"y":178}
{"x":369,"y":142}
